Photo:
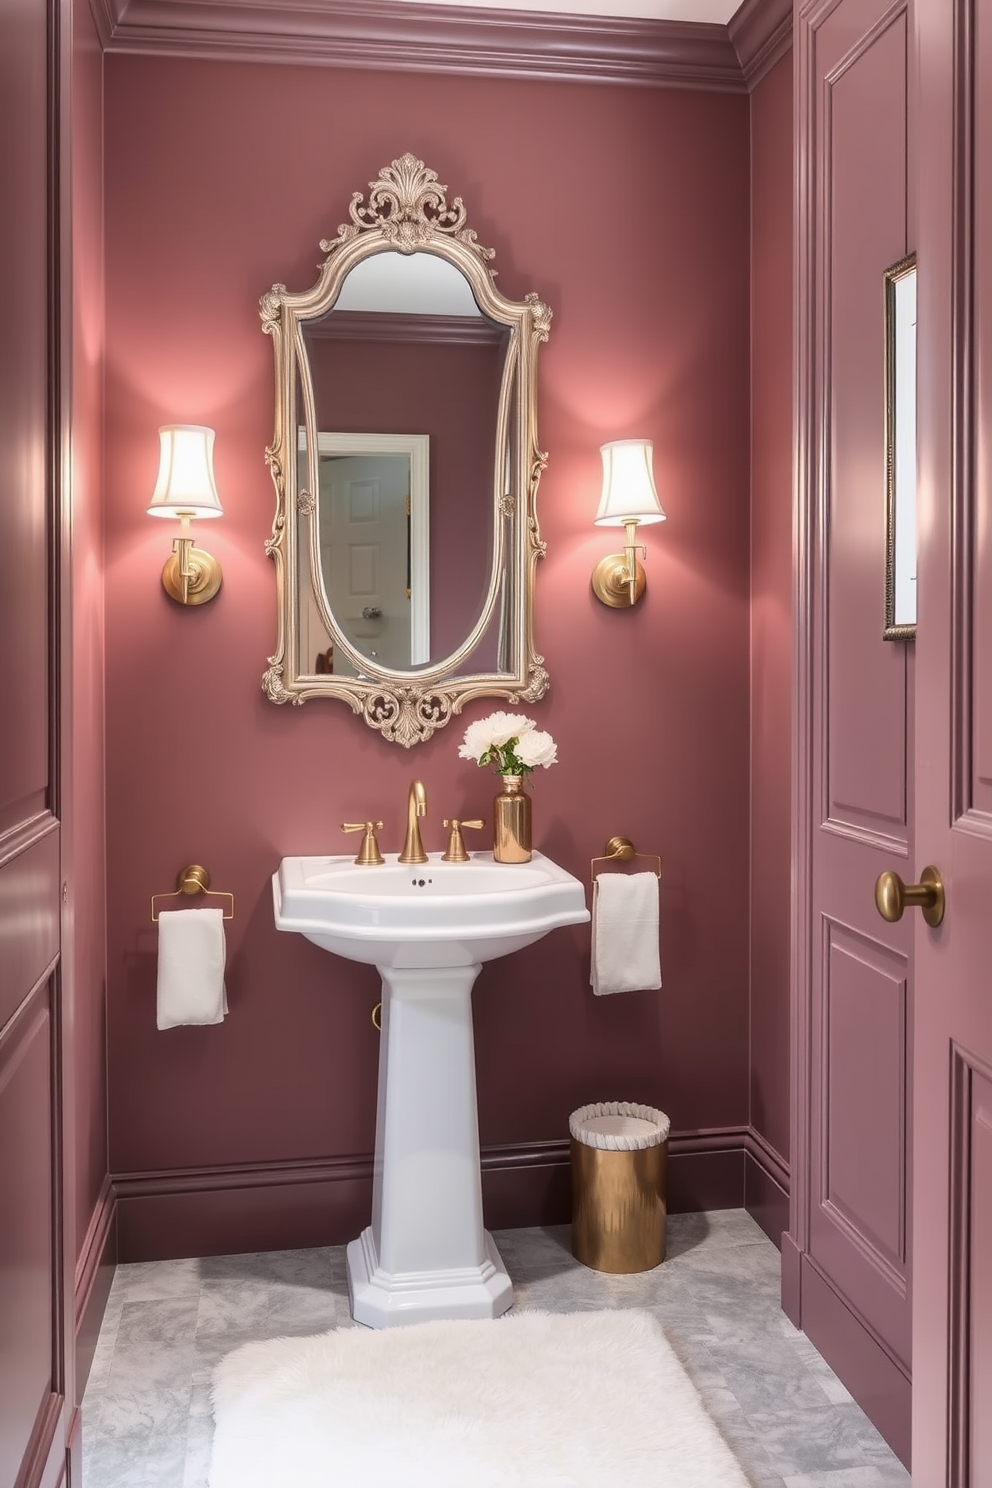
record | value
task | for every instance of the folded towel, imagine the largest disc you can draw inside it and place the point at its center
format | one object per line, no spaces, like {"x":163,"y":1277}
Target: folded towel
{"x":625,"y":954}
{"x":191,"y":967}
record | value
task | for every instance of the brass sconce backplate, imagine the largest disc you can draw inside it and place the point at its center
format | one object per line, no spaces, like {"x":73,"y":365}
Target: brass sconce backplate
{"x":204,"y":579}
{"x":611,"y":584}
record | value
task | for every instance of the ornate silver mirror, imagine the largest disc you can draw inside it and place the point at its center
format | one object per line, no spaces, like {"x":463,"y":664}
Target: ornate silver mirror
{"x":406,"y":466}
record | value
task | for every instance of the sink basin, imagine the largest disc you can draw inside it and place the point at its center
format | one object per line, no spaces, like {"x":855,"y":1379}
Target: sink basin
{"x":426,"y":914}
{"x":427,"y":927}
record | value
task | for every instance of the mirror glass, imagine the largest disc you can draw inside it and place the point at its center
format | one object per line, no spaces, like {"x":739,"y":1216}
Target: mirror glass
{"x":406,"y":373}
{"x":406,"y":467}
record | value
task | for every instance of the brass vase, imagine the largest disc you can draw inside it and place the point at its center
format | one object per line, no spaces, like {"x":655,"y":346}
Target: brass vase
{"x":511,"y":822}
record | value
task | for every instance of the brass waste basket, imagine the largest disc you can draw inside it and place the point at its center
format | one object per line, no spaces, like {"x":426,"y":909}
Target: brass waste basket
{"x":619,"y":1167}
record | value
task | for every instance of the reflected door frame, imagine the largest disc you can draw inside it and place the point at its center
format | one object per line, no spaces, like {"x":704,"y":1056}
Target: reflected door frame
{"x":417,"y":448}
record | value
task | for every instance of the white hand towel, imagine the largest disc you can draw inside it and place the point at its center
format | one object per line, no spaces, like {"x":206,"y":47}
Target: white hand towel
{"x":625,"y":956}
{"x":191,"y":956}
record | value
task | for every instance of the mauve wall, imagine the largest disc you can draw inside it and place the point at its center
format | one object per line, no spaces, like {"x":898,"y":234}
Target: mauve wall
{"x":771,"y":599}
{"x":628,"y":211}
{"x":87,"y":734}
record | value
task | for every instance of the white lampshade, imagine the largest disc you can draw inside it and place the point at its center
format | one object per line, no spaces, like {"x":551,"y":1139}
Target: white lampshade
{"x":185,"y":485}
{"x":629,"y":492}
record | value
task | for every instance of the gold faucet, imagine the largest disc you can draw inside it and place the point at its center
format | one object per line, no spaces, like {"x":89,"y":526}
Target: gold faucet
{"x":416,"y":805}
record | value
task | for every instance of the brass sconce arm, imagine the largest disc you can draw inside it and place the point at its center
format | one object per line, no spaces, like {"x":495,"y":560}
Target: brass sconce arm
{"x":190,"y":576}
{"x":630,"y":553}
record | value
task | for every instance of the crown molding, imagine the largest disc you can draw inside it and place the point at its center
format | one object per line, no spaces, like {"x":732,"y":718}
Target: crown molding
{"x":389,"y":35}
{"x":761,"y":33}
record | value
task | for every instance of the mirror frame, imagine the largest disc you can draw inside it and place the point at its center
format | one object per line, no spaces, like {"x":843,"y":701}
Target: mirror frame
{"x":407,"y":211}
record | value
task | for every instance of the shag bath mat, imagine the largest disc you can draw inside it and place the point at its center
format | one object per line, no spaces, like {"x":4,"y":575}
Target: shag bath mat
{"x":532,"y":1400}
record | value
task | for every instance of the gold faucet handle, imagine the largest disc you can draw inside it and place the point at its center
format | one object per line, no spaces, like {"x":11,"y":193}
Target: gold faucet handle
{"x":456,"y":845}
{"x":369,"y":852}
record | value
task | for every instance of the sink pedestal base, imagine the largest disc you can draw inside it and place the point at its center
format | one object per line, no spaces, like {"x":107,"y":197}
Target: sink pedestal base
{"x":383,"y":1299}
{"x":426,"y":1255}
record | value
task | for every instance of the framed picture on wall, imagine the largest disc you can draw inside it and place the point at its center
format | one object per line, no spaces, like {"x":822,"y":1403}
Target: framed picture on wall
{"x":900,"y":450}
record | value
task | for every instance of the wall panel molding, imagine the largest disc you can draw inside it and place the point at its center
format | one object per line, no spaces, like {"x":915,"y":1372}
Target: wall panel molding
{"x":866,"y":837}
{"x":386,"y":35}
{"x":865,"y":1025}
{"x":29,"y":897}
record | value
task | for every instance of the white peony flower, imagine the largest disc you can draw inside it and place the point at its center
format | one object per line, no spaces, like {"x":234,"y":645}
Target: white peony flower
{"x":494,"y":731}
{"x":537,"y":748}
{"x":510,"y":743}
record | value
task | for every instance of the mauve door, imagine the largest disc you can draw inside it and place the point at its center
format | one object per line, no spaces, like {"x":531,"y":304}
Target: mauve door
{"x":32,"y":1385}
{"x":852,"y":1230}
{"x":952,"y":1316}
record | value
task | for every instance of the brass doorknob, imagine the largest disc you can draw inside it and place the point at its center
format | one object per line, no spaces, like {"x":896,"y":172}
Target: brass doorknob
{"x":892,"y":896}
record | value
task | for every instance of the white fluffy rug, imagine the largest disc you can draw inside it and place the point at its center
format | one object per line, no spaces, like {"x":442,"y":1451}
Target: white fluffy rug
{"x":533,"y":1400}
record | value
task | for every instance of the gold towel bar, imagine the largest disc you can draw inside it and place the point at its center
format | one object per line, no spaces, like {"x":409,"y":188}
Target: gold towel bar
{"x":193,"y":880}
{"x":621,"y":850}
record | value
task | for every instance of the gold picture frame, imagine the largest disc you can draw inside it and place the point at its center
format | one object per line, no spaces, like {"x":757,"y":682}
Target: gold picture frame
{"x":900,"y":450}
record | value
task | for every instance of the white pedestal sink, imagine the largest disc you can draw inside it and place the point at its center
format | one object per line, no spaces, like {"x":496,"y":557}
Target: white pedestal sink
{"x":427,"y":927}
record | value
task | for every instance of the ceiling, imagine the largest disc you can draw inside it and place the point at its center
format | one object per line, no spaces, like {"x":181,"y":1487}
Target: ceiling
{"x":719,"y":11}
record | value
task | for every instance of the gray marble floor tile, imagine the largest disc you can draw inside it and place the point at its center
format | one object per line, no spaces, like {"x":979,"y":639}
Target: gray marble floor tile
{"x":318,"y":1267}
{"x":854,"y":1477}
{"x":138,"y":1461}
{"x":157,"y":1281}
{"x":153,"y":1347}
{"x":267,"y":1308}
{"x":802,"y":1440}
{"x":198,"y":1444}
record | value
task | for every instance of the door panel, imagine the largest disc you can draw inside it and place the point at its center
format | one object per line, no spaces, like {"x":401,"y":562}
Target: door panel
{"x":864,"y":1140}
{"x":849,"y":1259}
{"x":33,"y":1288}
{"x":952,"y":1311}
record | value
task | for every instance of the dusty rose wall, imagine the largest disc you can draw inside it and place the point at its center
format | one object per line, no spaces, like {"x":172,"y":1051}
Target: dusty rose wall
{"x":628,"y":211}
{"x":771,"y":599}
{"x":88,"y":868}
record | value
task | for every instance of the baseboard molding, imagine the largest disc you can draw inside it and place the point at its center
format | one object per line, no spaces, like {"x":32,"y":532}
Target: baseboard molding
{"x":462,"y":39}
{"x":94,"y":1273}
{"x":285,"y":1206}
{"x":766,"y":1186}
{"x":879,"y":1384}
{"x":792,"y":1270}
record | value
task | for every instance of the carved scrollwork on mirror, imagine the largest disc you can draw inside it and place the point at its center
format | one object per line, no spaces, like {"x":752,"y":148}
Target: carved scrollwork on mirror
{"x":406,"y":465}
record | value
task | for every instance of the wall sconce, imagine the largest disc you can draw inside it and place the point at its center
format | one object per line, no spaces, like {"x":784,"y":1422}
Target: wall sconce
{"x":185,"y":489}
{"x":629,"y":497}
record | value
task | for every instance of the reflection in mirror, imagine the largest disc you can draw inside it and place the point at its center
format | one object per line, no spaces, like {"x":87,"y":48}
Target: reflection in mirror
{"x":405,"y":559}
{"x":371,"y":537}
{"x":408,"y":349}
